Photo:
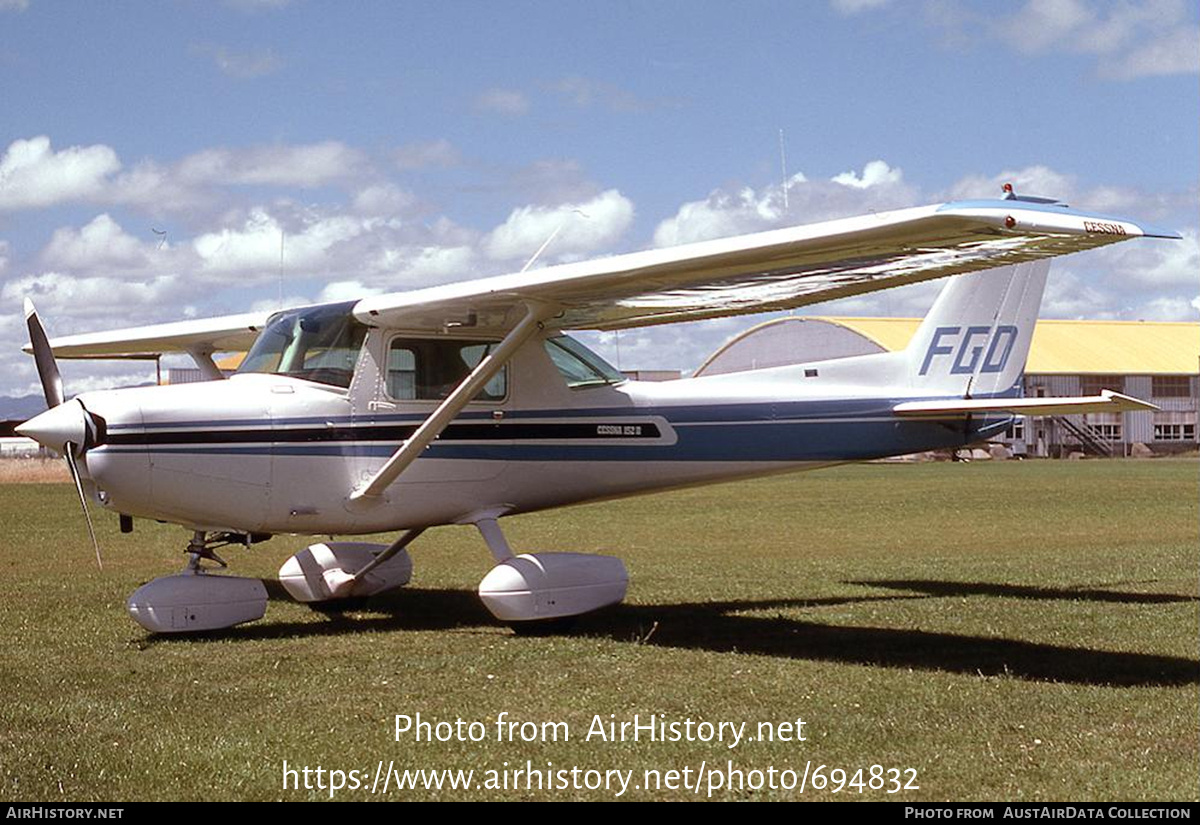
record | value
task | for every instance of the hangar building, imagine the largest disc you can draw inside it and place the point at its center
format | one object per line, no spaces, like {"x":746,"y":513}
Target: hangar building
{"x":1152,"y":360}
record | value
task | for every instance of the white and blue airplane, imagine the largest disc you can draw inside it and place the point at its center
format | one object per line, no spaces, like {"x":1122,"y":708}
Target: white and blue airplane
{"x":465,"y":403}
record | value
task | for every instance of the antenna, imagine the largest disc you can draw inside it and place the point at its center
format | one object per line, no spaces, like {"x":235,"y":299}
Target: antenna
{"x":546,"y":243}
{"x":783,"y":169}
{"x":542,"y":248}
{"x":281,"y":235}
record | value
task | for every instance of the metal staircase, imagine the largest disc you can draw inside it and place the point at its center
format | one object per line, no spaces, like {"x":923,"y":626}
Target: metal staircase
{"x":1089,"y":438}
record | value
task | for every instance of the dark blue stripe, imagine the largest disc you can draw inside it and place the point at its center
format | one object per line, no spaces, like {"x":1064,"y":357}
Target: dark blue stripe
{"x":753,"y":442}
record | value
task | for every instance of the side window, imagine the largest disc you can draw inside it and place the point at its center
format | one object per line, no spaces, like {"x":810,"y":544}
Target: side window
{"x":401,"y":372}
{"x":429,"y":370}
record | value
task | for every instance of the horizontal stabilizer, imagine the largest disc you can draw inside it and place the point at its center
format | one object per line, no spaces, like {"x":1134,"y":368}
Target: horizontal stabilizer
{"x":1106,"y":402}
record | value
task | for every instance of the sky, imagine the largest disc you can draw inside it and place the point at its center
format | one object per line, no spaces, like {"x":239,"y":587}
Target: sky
{"x":186,"y":159}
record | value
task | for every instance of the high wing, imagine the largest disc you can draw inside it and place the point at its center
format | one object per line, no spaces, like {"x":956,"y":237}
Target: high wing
{"x":204,"y":336}
{"x":779,"y":269}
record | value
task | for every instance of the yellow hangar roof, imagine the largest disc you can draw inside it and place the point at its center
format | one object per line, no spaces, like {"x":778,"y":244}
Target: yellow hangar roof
{"x":1076,"y":347}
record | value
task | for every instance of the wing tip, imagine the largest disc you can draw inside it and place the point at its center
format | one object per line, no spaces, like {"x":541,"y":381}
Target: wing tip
{"x":1159,"y":232}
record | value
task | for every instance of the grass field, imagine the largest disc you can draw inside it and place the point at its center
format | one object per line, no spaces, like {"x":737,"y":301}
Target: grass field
{"x":1009,"y":631}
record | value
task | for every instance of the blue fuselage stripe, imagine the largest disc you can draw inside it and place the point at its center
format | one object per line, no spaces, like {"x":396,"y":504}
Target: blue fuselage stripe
{"x":766,"y":432}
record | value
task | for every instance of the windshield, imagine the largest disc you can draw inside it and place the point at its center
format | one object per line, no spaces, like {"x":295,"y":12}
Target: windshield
{"x":579,"y":365}
{"x":318,"y":344}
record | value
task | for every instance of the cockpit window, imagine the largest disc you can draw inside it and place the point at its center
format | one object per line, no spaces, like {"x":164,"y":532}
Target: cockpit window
{"x":318,"y":344}
{"x":579,"y":365}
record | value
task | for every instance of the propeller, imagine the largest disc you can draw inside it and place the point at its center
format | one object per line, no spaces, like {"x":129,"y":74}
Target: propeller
{"x":66,"y":427}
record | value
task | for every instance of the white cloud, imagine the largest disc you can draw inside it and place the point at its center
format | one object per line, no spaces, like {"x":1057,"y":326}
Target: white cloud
{"x":1129,"y":40}
{"x":60,"y":295}
{"x":856,"y":6}
{"x":437,"y":264}
{"x":155,"y":188}
{"x":1176,"y":52}
{"x":1039,"y":25}
{"x":241,"y":64}
{"x":1155,"y":266}
{"x":1074,"y":296}
{"x":383,"y":199}
{"x":547,"y":181}
{"x":585,"y":92}
{"x":721,"y":214}
{"x":345,"y":291}
{"x":1031,"y":180}
{"x":305,"y":165}
{"x":281,"y":302}
{"x":581,"y":227}
{"x":734,"y":212}
{"x":33,"y":175}
{"x":424,"y":154}
{"x":1170,"y":308}
{"x":507,"y":102}
{"x":253,"y":250}
{"x":1043,"y":181}
{"x":875,"y":173}
{"x":100,"y":243}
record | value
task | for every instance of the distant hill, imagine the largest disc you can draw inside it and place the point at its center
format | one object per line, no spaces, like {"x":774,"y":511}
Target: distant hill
{"x":25,"y":407}
{"x":20,"y":408}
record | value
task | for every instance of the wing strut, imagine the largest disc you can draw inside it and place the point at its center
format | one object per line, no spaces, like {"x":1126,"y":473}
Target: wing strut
{"x":203,"y":359}
{"x":432,"y":427}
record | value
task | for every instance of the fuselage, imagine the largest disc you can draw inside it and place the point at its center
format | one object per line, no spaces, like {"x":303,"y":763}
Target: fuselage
{"x":264,"y":452}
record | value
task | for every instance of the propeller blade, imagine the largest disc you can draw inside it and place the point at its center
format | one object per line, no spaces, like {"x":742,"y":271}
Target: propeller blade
{"x":47,"y":367}
{"x":59,"y":424}
{"x":69,"y":455}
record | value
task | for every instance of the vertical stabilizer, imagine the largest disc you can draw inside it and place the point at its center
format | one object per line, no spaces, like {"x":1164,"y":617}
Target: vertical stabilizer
{"x":975,"y":339}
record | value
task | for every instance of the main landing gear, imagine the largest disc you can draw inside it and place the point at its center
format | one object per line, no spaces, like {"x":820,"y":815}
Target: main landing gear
{"x":534,"y":592}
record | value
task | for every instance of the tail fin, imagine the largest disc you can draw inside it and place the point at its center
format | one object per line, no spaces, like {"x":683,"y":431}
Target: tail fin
{"x":975,"y":338}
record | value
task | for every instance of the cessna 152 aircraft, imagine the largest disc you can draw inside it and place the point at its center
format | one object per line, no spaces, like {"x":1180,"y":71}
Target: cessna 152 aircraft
{"x":464,"y":403}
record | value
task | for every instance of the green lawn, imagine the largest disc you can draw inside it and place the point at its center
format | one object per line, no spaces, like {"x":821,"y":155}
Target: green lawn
{"x":1008,"y":631}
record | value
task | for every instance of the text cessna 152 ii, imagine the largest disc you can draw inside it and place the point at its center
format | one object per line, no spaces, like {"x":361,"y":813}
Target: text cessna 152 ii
{"x":464,"y":403}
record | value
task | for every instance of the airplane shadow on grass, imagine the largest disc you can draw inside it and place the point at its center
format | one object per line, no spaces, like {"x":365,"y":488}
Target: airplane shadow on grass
{"x":721,"y":627}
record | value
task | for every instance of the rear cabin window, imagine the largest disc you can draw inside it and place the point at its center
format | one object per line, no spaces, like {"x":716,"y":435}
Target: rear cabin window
{"x":430,"y":369}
